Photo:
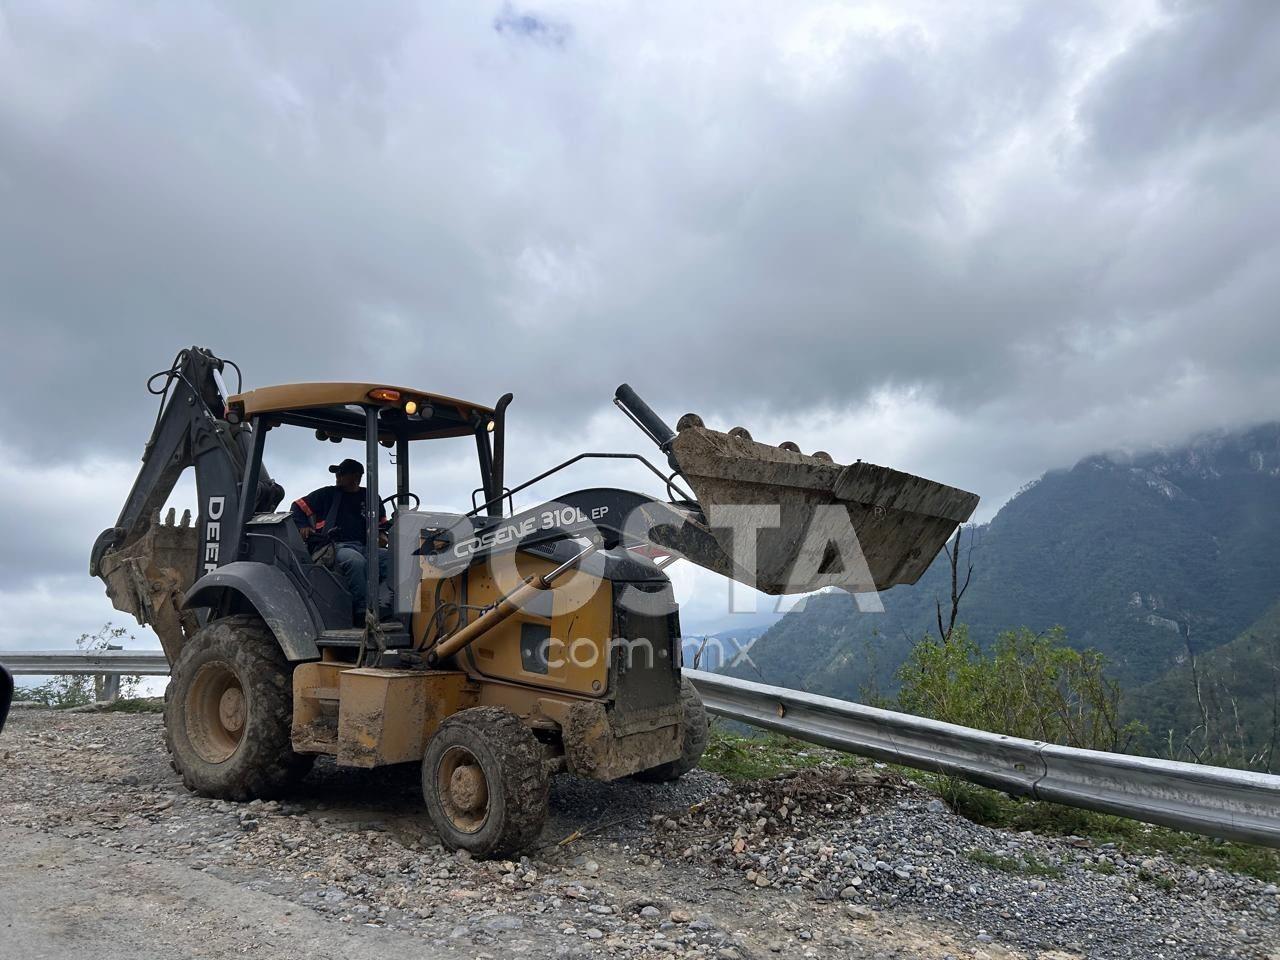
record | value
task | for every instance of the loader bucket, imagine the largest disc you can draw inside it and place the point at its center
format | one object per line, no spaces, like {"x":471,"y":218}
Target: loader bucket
{"x":148,"y":578}
{"x":815,"y":523}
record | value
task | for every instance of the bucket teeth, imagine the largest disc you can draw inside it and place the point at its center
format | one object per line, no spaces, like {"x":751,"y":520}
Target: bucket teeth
{"x":822,"y":455}
{"x":689,"y":420}
{"x":788,"y":445}
{"x":148,"y":577}
{"x":740,"y":433}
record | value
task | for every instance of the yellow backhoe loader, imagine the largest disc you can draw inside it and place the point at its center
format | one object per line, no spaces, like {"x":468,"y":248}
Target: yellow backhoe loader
{"x":505,"y":646}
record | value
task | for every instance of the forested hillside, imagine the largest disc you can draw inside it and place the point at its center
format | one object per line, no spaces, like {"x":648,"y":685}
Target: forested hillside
{"x":1156,"y":560}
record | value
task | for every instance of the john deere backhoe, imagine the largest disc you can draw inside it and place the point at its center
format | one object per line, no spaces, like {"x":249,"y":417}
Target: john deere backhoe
{"x":507,"y":645}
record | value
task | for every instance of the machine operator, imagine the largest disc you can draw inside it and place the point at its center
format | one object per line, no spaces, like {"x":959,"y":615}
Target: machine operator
{"x":335,"y":515}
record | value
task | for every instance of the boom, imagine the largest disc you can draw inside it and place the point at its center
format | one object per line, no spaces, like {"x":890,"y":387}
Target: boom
{"x":148,"y":566}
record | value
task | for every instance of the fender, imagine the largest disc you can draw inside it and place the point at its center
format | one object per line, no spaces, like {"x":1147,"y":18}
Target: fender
{"x":272,"y":594}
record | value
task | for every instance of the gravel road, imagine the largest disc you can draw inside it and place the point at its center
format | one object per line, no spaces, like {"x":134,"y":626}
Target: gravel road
{"x":65,"y":898}
{"x":103,"y":846}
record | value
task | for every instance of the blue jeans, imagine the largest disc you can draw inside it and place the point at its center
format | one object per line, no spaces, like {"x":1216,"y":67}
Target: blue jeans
{"x":350,"y":561}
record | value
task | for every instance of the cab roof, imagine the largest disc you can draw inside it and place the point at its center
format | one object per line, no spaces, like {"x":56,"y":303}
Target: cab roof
{"x":339,"y":409}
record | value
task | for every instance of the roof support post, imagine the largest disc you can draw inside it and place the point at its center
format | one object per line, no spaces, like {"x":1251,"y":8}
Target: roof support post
{"x":486,"y":467}
{"x":249,"y":486}
{"x":371,"y":503}
{"x":402,"y":470}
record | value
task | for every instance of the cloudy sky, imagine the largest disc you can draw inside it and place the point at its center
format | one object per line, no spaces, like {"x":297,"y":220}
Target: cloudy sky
{"x":971,"y":240}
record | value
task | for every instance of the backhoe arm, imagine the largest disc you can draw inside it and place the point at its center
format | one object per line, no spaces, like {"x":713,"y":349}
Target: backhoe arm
{"x":148,"y":566}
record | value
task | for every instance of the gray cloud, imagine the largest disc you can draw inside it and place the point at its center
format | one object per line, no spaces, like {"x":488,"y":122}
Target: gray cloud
{"x":976,"y":240}
{"x":1209,"y":71}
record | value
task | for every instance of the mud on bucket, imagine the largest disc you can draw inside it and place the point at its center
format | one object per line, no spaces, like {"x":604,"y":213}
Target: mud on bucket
{"x":148,"y":578}
{"x":813,"y":523}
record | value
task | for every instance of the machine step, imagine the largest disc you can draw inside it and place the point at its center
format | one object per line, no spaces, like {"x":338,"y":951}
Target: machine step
{"x":393,"y":632}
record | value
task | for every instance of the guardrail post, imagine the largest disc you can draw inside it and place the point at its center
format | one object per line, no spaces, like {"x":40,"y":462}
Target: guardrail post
{"x":106,"y":686}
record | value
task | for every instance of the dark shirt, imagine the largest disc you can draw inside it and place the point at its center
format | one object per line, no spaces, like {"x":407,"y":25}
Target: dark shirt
{"x":348,"y":525}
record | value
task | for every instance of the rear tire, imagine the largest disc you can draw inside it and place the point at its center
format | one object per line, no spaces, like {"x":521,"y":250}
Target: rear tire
{"x":229,"y":710}
{"x":694,"y":719}
{"x":485,"y":783}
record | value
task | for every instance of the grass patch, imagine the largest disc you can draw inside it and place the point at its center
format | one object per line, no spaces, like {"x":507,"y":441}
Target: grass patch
{"x":138,"y":705}
{"x":1131,"y":837}
{"x":1030,"y":866}
{"x":1163,"y":881}
{"x":740,"y":758}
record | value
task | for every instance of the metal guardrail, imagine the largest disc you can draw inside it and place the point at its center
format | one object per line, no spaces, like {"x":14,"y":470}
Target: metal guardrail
{"x":130,"y":663}
{"x":1233,"y":804}
{"x":107,"y":666}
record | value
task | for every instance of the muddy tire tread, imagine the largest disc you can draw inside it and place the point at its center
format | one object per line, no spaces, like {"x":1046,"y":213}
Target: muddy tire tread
{"x":694,"y":717}
{"x":265,"y":763}
{"x":524,"y":779}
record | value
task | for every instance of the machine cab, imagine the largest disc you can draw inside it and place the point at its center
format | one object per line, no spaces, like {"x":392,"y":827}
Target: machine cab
{"x":383,"y":417}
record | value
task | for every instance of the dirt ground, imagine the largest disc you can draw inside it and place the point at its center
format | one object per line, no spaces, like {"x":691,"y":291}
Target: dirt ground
{"x":105,"y":850}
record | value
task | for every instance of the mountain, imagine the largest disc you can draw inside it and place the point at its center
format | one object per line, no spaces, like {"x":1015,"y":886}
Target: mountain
{"x":1155,"y":559}
{"x":1223,"y":707}
{"x":715,"y":651}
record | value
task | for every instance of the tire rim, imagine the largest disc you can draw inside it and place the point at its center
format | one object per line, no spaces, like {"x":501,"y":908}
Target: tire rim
{"x":216,"y":714}
{"x":463,"y":789}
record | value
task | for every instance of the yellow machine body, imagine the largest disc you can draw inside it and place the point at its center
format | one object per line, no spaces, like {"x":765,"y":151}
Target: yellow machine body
{"x":368,"y":717}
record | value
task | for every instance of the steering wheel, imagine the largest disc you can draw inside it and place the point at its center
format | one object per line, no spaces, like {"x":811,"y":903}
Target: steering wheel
{"x":417,"y":502}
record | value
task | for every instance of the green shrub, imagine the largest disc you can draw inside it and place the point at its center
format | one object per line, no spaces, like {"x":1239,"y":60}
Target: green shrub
{"x":1029,"y":685}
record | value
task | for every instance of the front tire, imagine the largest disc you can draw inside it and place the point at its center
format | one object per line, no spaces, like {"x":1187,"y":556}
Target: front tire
{"x":694,"y":720}
{"x":229,"y":711}
{"x":485,"y":783}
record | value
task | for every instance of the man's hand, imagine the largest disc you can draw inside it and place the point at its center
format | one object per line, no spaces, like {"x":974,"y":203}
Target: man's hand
{"x":306,"y":531}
